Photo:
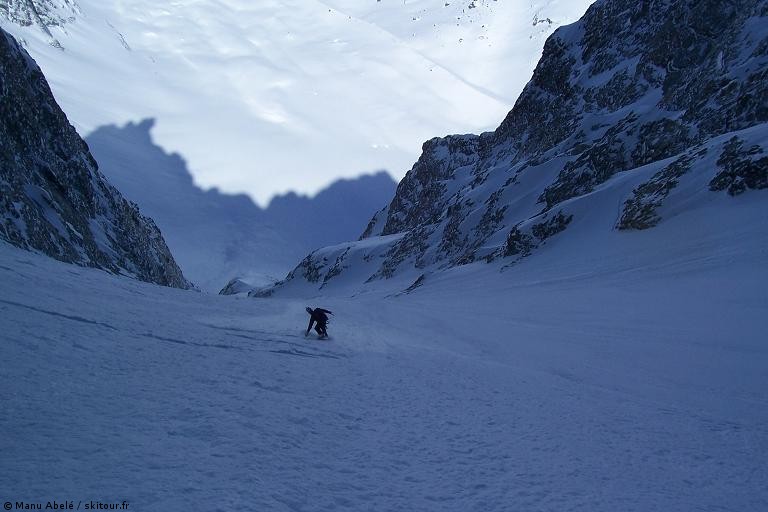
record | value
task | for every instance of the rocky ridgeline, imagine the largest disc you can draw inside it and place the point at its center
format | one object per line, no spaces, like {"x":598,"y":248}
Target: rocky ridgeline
{"x":43,"y":14}
{"x":634,"y":86}
{"x":49,"y":13}
{"x":678,"y":75}
{"x":53,"y":199}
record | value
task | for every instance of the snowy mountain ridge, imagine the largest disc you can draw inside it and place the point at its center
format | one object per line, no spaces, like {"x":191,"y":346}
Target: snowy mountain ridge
{"x":236,"y":86}
{"x":641,"y":111}
{"x":53,"y":198}
{"x":42,"y":13}
{"x":257,"y":245}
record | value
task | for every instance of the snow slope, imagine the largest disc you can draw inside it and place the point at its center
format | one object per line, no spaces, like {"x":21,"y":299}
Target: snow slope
{"x":245,"y":90}
{"x":633,"y":381}
{"x":583,"y":229}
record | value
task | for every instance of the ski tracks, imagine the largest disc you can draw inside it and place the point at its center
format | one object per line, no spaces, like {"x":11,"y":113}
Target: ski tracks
{"x":175,"y":400}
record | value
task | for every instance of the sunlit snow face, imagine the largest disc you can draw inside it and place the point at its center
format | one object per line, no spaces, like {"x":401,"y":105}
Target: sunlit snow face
{"x":270,"y":96}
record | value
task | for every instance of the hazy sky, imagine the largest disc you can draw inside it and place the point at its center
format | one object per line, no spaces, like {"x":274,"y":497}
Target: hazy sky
{"x":270,"y":96}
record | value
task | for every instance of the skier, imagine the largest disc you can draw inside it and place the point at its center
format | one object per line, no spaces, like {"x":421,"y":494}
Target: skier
{"x":319,"y":316}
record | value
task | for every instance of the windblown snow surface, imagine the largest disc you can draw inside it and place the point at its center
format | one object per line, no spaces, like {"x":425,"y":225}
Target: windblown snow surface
{"x":634,"y":380}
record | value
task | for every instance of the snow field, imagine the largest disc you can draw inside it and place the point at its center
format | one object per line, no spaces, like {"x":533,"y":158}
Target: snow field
{"x":614,"y":391}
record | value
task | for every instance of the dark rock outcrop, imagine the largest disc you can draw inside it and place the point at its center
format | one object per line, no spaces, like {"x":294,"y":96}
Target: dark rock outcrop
{"x":740,"y":168}
{"x":45,"y":14}
{"x":53,"y":199}
{"x":640,"y":212}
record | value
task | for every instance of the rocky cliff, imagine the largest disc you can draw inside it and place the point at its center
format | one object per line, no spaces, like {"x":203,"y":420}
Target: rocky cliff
{"x":53,"y":199}
{"x":654,"y":92}
{"x":43,"y":14}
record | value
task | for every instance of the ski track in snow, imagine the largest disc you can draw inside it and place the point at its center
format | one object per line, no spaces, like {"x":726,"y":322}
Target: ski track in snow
{"x":118,"y":390}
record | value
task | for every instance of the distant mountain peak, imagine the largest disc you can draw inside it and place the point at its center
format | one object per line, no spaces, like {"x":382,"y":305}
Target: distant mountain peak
{"x":242,"y":239}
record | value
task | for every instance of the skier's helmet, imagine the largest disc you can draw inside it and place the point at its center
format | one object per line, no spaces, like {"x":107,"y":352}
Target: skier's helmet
{"x":309,"y":310}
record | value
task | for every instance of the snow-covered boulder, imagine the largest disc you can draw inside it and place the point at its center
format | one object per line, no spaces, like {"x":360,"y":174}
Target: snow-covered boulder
{"x":236,"y":286}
